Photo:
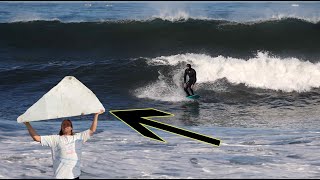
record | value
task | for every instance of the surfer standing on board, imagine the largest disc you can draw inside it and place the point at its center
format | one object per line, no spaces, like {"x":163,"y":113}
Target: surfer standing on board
{"x":66,"y":148}
{"x":192,"y":79}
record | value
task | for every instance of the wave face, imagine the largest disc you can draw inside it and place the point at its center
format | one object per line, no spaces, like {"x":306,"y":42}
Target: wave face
{"x":160,"y":78}
{"x":262,"y":72}
{"x":288,"y":37}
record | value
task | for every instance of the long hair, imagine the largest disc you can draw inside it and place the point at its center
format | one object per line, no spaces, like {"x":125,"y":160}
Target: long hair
{"x":61,"y":133}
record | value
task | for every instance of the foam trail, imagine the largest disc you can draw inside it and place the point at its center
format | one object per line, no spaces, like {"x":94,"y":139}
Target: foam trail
{"x":263,"y":71}
{"x":163,"y":89}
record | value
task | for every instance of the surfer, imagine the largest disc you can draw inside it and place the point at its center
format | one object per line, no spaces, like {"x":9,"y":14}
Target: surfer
{"x":66,"y":147}
{"x":192,"y":79}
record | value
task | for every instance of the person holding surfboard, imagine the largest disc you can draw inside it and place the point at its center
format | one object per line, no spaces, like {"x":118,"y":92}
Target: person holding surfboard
{"x":192,"y":79}
{"x":66,"y":147}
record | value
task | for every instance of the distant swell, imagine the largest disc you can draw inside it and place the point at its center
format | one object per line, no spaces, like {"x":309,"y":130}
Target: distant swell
{"x":287,"y":37}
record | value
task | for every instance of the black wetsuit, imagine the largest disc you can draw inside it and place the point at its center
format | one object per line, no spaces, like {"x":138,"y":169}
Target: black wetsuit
{"x":192,"y":79}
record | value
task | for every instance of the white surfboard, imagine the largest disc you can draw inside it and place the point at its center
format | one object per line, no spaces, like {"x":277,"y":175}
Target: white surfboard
{"x":68,"y":98}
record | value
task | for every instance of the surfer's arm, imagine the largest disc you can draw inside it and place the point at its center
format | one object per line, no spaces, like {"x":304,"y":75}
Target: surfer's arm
{"x":32,"y":132}
{"x":185,"y":76}
{"x":95,"y":122}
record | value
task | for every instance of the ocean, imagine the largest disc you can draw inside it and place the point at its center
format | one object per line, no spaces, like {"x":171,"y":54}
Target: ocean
{"x":258,"y":75}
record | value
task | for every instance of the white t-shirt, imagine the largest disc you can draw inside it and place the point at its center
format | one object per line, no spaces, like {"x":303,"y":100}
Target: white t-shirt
{"x":66,"y":153}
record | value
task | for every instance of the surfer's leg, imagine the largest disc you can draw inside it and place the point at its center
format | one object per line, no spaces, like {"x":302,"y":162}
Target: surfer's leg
{"x":186,"y":90}
{"x":189,"y":87}
{"x":191,"y":91}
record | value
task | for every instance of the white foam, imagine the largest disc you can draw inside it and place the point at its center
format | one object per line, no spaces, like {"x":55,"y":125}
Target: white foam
{"x":174,"y":12}
{"x":262,"y":71}
{"x":104,"y":156}
{"x":163,"y":90}
{"x":178,"y":15}
{"x":28,"y":17}
{"x":282,"y":16}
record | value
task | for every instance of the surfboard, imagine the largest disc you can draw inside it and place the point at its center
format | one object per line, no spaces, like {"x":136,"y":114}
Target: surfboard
{"x":195,"y":96}
{"x":68,"y":98}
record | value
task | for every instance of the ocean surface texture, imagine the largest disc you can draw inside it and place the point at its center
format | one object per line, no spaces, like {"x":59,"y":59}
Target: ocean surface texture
{"x":258,"y":75}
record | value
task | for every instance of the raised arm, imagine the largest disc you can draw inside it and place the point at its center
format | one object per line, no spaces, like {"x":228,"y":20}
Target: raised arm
{"x":95,"y":122}
{"x":32,"y":132}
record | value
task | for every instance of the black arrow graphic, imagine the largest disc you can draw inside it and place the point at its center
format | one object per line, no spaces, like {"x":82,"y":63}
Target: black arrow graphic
{"x":136,"y":118}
